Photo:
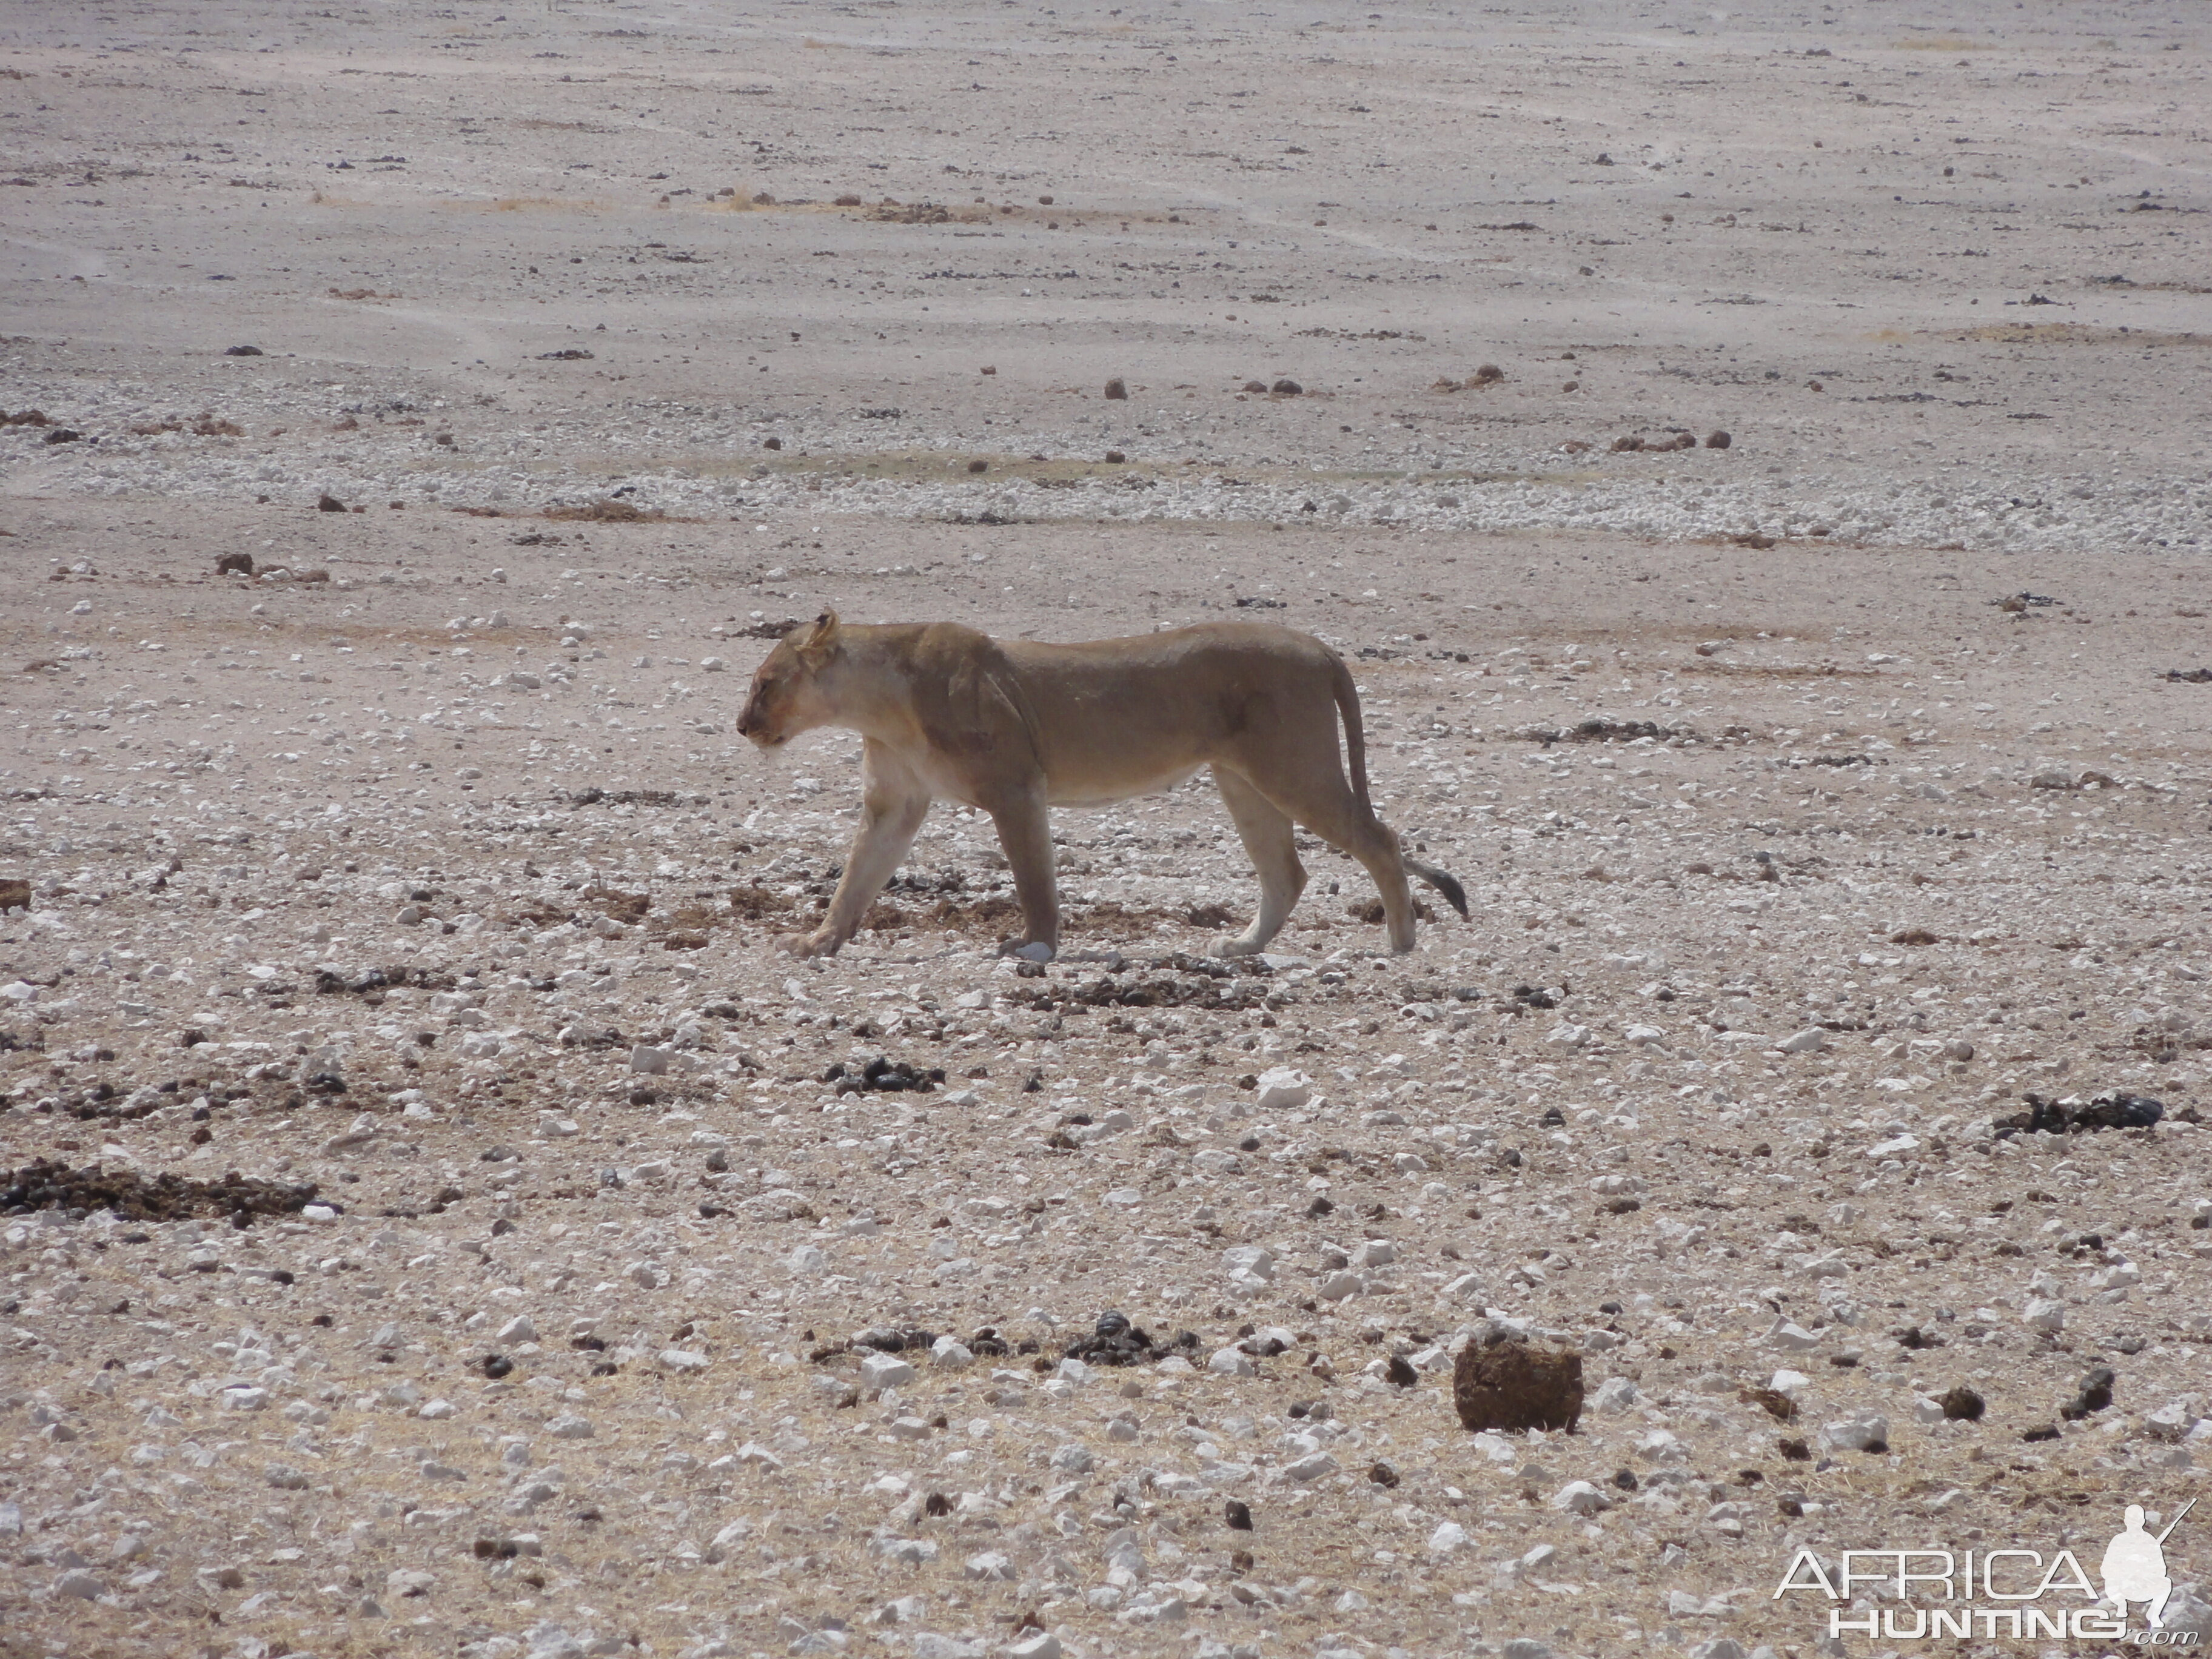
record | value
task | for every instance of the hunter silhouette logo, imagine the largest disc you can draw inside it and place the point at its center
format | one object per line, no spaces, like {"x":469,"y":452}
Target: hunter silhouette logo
{"x":2135,"y":1567}
{"x":2020,"y":1595}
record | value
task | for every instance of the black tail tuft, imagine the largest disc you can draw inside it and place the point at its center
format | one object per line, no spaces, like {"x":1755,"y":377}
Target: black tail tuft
{"x":1455,"y":895}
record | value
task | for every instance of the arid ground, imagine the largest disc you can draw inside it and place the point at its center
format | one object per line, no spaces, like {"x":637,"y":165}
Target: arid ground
{"x":439,"y":1222}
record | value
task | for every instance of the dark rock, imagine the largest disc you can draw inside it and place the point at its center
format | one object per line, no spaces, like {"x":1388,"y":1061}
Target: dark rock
{"x":1501,"y":1382}
{"x":44,"y":1185}
{"x":883,"y":1076}
{"x":1400,"y":1374}
{"x":771,"y":443}
{"x":1795,"y":1451}
{"x":1717,"y":441}
{"x":329,"y":504}
{"x":1382,"y":1475}
{"x":2113,"y":1109}
{"x":1254,"y":385}
{"x":64,"y":434}
{"x":15,"y":895}
{"x":233,"y":564}
{"x":1286,"y":388}
{"x":1626,"y":1479}
{"x":241,"y":351}
{"x":1114,"y":1341}
{"x":1775,"y":1404}
{"x":1961,"y":1405}
{"x":1238,"y":1516}
{"x":1115,"y":458}
{"x":2046,"y":1431}
{"x":2096,"y":1393}
{"x":979,"y":466}
{"x":1117,"y":390}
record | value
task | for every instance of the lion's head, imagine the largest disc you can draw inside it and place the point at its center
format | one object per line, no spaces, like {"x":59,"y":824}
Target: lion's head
{"x":784,"y":700}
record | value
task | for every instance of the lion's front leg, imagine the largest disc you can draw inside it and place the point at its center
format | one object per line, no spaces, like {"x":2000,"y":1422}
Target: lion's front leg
{"x":1025,"y":835}
{"x":895,"y":803}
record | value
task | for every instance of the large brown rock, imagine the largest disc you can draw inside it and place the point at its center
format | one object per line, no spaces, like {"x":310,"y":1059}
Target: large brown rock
{"x":1505,"y":1384}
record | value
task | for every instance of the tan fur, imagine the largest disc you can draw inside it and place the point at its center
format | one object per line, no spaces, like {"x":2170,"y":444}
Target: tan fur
{"x":1014,"y":727}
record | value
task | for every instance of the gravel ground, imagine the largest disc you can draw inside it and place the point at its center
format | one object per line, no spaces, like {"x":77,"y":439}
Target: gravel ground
{"x":438,"y":1223}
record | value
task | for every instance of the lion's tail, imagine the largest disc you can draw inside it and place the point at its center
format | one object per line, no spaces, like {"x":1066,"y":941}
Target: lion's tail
{"x":1355,"y":735}
{"x":1355,"y":748}
{"x":1444,"y":881}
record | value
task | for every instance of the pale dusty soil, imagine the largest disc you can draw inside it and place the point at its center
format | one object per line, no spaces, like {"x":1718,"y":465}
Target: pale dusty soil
{"x":492,"y":759}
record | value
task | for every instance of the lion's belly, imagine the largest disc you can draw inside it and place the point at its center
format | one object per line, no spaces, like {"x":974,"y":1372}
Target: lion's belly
{"x":1105,"y":790}
{"x":1091,"y":785}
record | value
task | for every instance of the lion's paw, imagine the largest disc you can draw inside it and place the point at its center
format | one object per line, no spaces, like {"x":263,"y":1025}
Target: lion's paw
{"x":807,"y":944}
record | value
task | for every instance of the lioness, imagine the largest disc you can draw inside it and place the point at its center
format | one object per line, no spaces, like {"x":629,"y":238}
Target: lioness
{"x":1015,"y":727}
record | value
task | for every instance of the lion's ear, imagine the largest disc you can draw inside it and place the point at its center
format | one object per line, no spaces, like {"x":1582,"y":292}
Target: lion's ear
{"x":820,"y":641}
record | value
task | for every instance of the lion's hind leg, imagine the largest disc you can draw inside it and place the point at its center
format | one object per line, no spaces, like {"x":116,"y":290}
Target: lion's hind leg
{"x":1325,"y":805}
{"x":1272,"y":842}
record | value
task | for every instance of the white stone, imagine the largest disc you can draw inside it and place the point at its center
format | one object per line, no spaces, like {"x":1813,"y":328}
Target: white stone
{"x":519,"y":1329}
{"x":569,"y":1426}
{"x":2172,"y":1422}
{"x":949,"y":1354}
{"x":1255,"y":1260}
{"x":1858,"y":1431}
{"x":1809,"y":1041}
{"x":885,"y":1370}
{"x":1895,"y":1146}
{"x":1231,"y":1362}
{"x":1310,"y":1468}
{"x":1785,"y":1334}
{"x":1447,"y":1538}
{"x":1282,"y":1089}
{"x":683,"y":1360}
{"x":648,"y":1060}
{"x":2045,"y":1312}
{"x":1579,"y":1497}
{"x":1615,"y":1394}
{"x":990,"y":1566}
